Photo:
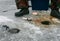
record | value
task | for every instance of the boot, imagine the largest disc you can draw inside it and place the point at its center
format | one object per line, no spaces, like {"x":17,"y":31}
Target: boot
{"x":54,"y":9}
{"x":55,"y":14}
{"x":23,"y":11}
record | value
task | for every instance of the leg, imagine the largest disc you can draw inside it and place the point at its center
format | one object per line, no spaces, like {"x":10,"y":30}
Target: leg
{"x":23,"y":5}
{"x":54,"y":9}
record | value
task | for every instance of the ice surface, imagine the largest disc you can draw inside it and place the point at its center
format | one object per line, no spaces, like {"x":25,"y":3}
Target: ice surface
{"x":29,"y":32}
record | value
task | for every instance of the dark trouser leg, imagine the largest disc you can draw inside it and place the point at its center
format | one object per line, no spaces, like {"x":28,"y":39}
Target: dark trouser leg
{"x":23,"y":5}
{"x":54,"y":9}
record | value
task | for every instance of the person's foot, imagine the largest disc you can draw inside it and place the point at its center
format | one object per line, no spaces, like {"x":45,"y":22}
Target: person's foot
{"x":24,"y":11}
{"x":55,"y":14}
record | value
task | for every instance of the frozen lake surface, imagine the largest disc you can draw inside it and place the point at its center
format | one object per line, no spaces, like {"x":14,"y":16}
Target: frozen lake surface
{"x":29,"y":32}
